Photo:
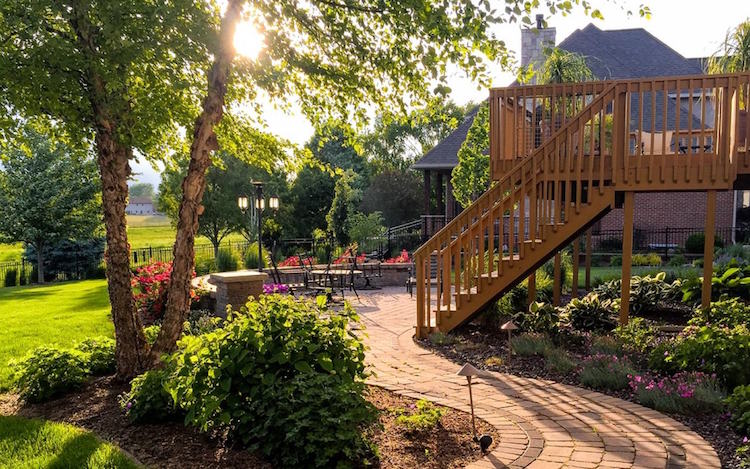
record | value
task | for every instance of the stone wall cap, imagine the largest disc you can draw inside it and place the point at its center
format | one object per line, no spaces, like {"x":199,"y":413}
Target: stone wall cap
{"x":239,"y":276}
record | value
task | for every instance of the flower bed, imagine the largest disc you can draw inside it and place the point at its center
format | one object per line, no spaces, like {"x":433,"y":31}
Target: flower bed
{"x":150,"y":283}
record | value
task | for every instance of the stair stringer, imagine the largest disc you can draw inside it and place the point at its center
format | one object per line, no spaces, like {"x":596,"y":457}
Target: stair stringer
{"x":491,"y":289}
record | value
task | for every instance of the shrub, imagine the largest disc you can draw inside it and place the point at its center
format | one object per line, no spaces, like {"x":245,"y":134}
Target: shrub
{"x":200,"y":322}
{"x":606,"y":372}
{"x":148,"y":399}
{"x":694,"y":243}
{"x":401,"y":258}
{"x":559,"y":361}
{"x":743,"y":453}
{"x":100,"y":355}
{"x":636,"y":335}
{"x":590,"y":313}
{"x":727,"y":280}
{"x":726,"y":313}
{"x":72,"y":258}
{"x":48,"y":372}
{"x":683,"y":393}
{"x":541,"y":317}
{"x":150,"y":284}
{"x":711,"y":349}
{"x":423,"y":416}
{"x":738,"y":404}
{"x":529,"y":344}
{"x":226,"y":260}
{"x":284,"y":377}
{"x":615,"y":261}
{"x":204,"y":266}
{"x":606,"y":345}
{"x":514,"y":303}
{"x":441,"y":338}
{"x":677,"y":261}
{"x":151,"y":333}
{"x":650,"y":259}
{"x":250,"y":259}
{"x":10,"y":277}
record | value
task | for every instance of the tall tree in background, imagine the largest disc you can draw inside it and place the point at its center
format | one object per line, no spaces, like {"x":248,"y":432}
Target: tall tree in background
{"x":471,"y":177}
{"x":345,"y":202}
{"x":734,"y":53}
{"x":127,"y":74}
{"x":48,"y":193}
{"x":141,"y":189}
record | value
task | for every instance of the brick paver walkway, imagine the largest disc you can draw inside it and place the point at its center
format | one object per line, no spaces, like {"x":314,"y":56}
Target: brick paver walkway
{"x":542,"y":424}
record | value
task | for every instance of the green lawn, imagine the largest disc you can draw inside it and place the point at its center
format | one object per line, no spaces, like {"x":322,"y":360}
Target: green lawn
{"x":26,"y":443}
{"x":143,"y":231}
{"x":61,"y":313}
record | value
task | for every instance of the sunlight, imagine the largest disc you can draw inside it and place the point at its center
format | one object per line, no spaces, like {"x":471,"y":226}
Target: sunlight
{"x":248,"y":41}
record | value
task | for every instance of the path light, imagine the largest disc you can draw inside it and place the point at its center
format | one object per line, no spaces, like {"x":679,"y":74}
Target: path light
{"x":509,"y":326}
{"x":485,"y":440}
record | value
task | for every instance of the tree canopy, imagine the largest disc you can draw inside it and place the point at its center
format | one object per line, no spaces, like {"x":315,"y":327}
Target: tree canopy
{"x":48,"y":193}
{"x":141,"y":189}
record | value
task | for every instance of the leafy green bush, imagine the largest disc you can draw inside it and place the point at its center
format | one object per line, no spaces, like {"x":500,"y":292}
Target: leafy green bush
{"x":148,"y":399}
{"x":204,"y":266}
{"x":540,"y":317}
{"x":694,"y":243}
{"x":636,"y":335}
{"x":683,"y":393}
{"x":590,"y":313}
{"x":738,"y":404}
{"x":647,"y":293}
{"x":726,"y":280}
{"x":529,"y":344}
{"x":615,"y":261}
{"x":726,"y":313}
{"x":250,"y":259}
{"x":606,"y":372}
{"x":513,"y":304}
{"x":48,"y":372}
{"x":284,"y":377}
{"x":201,"y":321}
{"x":677,"y":260}
{"x":10,"y":278}
{"x":558,"y":361}
{"x":425,"y":416}
{"x":99,"y":354}
{"x":650,"y":259}
{"x":226,"y":260}
{"x":711,"y":349}
{"x":151,"y":333}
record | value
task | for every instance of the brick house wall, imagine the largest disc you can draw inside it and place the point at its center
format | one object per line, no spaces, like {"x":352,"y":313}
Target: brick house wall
{"x":660,"y":210}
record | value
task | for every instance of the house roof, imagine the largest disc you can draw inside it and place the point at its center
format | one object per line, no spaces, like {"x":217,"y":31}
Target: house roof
{"x":616,"y":54}
{"x":140,"y":200}
{"x":444,"y":155}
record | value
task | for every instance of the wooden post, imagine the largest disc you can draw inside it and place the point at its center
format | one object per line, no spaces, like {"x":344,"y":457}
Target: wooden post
{"x":556,"y":282}
{"x":708,"y":249}
{"x":427,"y":191}
{"x":627,"y":256}
{"x":439,"y":192}
{"x":532,"y":288}
{"x":588,"y":260}
{"x":576,"y":257}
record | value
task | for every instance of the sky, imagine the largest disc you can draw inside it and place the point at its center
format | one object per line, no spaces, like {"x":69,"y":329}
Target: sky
{"x":694,"y":28}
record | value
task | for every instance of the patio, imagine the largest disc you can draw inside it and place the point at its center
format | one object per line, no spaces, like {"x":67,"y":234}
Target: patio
{"x":542,"y":424}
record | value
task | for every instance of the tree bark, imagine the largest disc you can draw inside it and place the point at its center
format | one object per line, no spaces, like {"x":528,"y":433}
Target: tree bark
{"x":39,"y":263}
{"x":130,"y":348}
{"x":204,"y":143}
{"x":112,"y":158}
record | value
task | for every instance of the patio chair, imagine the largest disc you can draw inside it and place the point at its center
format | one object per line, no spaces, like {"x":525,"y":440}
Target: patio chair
{"x":660,"y":140}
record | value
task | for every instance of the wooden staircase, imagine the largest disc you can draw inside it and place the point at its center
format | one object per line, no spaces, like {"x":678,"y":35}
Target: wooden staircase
{"x":561,"y":156}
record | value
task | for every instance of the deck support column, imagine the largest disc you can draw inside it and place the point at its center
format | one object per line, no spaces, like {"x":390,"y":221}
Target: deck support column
{"x":627,"y":257}
{"x":556,"y":281}
{"x":427,"y":192}
{"x":576,"y":261}
{"x":532,"y":288}
{"x":439,"y":193}
{"x":708,"y":249}
{"x":588,"y":260}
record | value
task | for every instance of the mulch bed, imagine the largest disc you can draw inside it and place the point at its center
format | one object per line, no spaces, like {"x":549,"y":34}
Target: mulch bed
{"x":172,"y":445}
{"x":482,"y":347}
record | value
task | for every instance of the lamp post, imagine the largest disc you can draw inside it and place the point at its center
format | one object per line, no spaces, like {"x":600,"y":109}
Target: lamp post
{"x":260,"y":206}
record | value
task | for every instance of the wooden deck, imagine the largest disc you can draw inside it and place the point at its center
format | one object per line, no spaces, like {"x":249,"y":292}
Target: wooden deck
{"x":560,"y":157}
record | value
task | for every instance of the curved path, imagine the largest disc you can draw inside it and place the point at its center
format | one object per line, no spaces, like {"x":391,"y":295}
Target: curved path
{"x":542,"y":424}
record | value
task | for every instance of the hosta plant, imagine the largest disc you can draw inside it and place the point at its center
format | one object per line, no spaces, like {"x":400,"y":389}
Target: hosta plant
{"x":540,"y":317}
{"x":590,"y":313}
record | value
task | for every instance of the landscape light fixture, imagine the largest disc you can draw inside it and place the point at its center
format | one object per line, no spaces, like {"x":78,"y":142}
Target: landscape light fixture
{"x":510,"y":327}
{"x":260,"y":205}
{"x":484,"y":440}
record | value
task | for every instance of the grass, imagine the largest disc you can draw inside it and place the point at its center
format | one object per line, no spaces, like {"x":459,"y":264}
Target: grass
{"x":143,"y":231}
{"x":26,"y":443}
{"x":57,"y":314}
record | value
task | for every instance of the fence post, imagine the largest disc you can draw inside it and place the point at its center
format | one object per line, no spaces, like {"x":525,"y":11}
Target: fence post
{"x":666,"y":243}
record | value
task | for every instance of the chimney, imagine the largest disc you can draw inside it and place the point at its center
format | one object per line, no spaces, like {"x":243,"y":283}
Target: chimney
{"x":533,"y":43}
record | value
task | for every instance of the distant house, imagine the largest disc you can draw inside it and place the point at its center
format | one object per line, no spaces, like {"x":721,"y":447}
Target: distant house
{"x":140,"y":206}
{"x":617,"y":54}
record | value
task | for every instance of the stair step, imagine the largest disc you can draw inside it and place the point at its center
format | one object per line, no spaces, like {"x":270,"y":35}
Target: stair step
{"x":533,"y":241}
{"x":516,"y":257}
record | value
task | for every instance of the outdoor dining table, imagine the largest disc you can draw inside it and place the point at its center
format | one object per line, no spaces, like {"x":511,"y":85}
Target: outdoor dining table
{"x":337,"y":277}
